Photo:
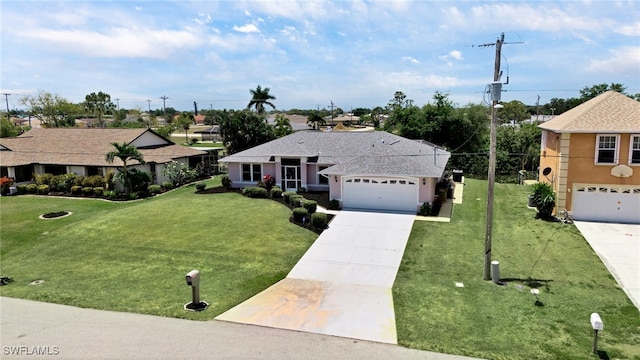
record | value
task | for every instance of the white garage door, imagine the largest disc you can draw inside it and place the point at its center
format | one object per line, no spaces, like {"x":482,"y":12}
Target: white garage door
{"x":607,"y":203}
{"x":393,"y":194}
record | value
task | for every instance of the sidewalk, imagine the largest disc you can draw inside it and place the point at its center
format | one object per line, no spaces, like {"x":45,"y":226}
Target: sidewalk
{"x":66,"y":332}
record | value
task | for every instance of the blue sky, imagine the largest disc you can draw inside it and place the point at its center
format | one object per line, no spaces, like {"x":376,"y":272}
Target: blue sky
{"x":309,"y":53}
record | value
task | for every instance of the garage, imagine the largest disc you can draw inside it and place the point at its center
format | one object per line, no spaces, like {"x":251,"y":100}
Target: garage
{"x":606,"y":203}
{"x":376,"y":193}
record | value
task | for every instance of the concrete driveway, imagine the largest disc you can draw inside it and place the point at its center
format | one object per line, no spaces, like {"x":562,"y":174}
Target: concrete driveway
{"x":342,"y":284}
{"x":618,"y":246}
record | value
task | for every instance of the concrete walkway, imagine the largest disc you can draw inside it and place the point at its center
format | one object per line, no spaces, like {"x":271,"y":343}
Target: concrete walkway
{"x":66,"y":332}
{"x":342,"y":284}
{"x":618,"y":246}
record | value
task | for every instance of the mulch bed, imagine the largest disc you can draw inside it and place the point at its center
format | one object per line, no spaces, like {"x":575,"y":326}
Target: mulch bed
{"x":52,"y":215}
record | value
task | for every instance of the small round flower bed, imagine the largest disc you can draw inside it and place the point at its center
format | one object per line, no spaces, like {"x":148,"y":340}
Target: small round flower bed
{"x":55,"y":215}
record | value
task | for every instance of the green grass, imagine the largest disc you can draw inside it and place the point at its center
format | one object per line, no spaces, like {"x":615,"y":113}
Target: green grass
{"x":502,"y":322}
{"x":133,"y":256}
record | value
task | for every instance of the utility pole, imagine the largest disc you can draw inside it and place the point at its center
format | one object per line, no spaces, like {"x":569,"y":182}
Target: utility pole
{"x":149,"y":103}
{"x":332,"y":106}
{"x":6,"y":99}
{"x":495,"y":96}
{"x":164,"y":107}
{"x":195,"y":108}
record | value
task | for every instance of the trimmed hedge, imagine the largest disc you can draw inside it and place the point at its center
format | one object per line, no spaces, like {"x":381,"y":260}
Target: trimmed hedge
{"x":296,"y":200}
{"x":22,"y":189}
{"x":32,"y":188}
{"x":87,"y":191}
{"x":98,"y":190}
{"x":334,"y":204}
{"x":155,"y":189}
{"x":76,"y":189}
{"x":286,"y":195}
{"x":43,"y":189}
{"x":255,"y":192}
{"x":310,"y":205}
{"x":300,"y":214}
{"x":167,"y":185}
{"x":276,"y":192}
{"x":201,"y":186}
{"x":425,"y":209}
{"x":319,"y":220}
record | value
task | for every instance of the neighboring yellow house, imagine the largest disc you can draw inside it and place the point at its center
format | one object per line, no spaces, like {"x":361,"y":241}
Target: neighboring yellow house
{"x":591,"y":156}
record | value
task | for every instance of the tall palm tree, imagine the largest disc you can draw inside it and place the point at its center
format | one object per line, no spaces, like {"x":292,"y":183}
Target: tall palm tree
{"x":259,"y":98}
{"x":314,"y":120}
{"x":185,"y":120}
{"x":282,"y":126}
{"x":125,"y":152}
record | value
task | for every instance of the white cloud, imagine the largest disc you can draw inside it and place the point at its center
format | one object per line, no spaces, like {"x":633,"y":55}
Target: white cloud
{"x":623,"y":61}
{"x":456,"y":54}
{"x":410,"y":59}
{"x":247,"y":28}
{"x":629,"y":30}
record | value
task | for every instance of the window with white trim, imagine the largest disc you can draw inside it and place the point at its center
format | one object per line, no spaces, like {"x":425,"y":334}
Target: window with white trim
{"x":634,"y":150}
{"x":252,"y":172}
{"x":607,"y":149}
{"x":321,"y":178}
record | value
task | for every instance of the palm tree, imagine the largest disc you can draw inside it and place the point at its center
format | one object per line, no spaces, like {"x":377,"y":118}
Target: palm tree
{"x":125,"y":152}
{"x":314,"y":120}
{"x":99,"y":104}
{"x":282,"y":126}
{"x":259,"y":98}
{"x":184,"y":122}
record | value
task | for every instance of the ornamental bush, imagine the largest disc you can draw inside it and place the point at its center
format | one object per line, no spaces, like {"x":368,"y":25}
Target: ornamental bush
{"x":310,"y":205}
{"x":276,"y":192}
{"x":22,"y":189}
{"x":255,"y":192}
{"x":43,"y":189}
{"x":87,"y":191}
{"x":296,"y":200}
{"x":98,"y":190}
{"x":167,"y":185}
{"x":286,"y":195}
{"x":226,"y":182}
{"x":425,"y":209}
{"x":334,"y":204}
{"x":200,"y":186}
{"x":32,"y":188}
{"x":300,"y":214}
{"x":155,"y":189}
{"x":76,"y":189}
{"x":319,"y":220}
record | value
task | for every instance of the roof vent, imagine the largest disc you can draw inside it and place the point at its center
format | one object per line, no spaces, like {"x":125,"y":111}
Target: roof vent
{"x":383,"y":141}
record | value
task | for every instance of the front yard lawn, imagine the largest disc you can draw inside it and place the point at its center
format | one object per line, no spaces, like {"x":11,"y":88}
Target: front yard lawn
{"x":133,"y":256}
{"x":489,"y":321}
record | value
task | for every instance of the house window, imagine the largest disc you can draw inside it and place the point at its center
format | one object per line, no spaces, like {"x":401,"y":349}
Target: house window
{"x":634,"y":156}
{"x":607,"y":149}
{"x":251,"y":172}
{"x":322,"y":179}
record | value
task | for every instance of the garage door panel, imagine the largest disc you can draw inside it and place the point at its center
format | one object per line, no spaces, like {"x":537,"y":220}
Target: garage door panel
{"x":608,"y":203}
{"x":394,"y":194}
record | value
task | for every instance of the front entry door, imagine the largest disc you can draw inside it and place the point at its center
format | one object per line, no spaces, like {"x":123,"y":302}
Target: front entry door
{"x":291,"y":177}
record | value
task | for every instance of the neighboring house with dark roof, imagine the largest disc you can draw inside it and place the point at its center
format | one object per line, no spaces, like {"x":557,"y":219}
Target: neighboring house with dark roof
{"x":363,"y":170}
{"x":82,"y":151}
{"x":591,"y":156}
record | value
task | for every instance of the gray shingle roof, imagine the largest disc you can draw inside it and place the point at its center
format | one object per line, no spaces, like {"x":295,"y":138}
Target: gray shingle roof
{"x":363,"y":153}
{"x":610,"y":112}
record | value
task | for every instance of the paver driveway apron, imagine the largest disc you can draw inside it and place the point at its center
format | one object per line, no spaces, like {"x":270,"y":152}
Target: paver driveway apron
{"x":342,"y":284}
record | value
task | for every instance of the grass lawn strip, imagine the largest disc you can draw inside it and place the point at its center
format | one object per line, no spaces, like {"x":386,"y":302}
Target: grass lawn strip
{"x":133,"y":256}
{"x":503,"y":322}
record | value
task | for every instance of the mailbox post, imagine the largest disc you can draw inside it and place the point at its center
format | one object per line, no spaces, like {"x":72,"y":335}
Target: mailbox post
{"x":193,"y":280}
{"x":596,"y":324}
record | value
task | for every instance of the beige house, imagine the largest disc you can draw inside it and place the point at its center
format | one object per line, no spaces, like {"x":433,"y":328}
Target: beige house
{"x":591,"y":156}
{"x":82,"y":151}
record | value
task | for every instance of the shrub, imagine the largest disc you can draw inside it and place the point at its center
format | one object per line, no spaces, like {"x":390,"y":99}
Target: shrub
{"x":44,"y":179}
{"x":300,"y":214}
{"x":155,"y":189}
{"x":255,"y":192}
{"x":167,"y":185}
{"x":87,"y":191}
{"x":43,"y":189}
{"x":201,"y":186}
{"x":545,"y":199}
{"x":76,"y":189}
{"x":22,"y":189}
{"x":98,"y":190}
{"x":5,"y":183}
{"x":226,"y":182}
{"x":110,"y":194}
{"x":334,"y":204}
{"x":310,"y":205}
{"x":319,"y":220}
{"x":286,"y":195}
{"x":276,"y":192}
{"x":296,"y":200}
{"x":260,"y":184}
{"x":32,"y":188}
{"x":302,"y":190}
{"x":93,"y":181}
{"x":77,"y":181}
{"x":132,"y":196}
{"x":425,"y":209}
